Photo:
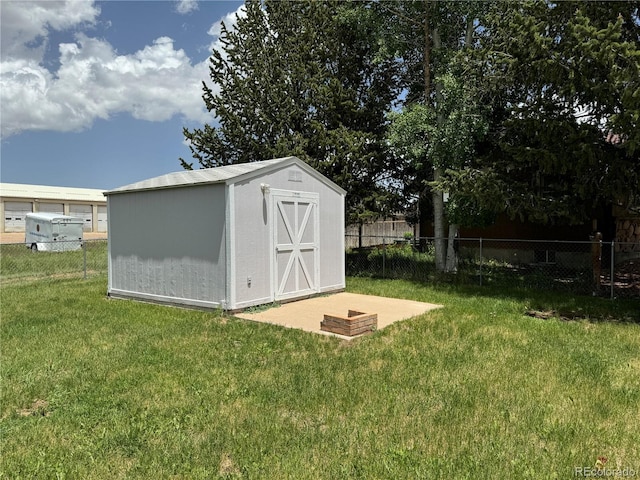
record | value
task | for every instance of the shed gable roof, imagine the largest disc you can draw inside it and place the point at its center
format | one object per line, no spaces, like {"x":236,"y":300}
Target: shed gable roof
{"x":224,"y":174}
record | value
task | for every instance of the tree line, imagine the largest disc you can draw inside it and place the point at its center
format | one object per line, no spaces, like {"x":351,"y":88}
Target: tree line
{"x":449,"y":111}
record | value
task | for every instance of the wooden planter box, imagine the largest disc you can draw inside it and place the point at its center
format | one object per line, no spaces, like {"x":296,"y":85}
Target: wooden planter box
{"x":355,"y":323}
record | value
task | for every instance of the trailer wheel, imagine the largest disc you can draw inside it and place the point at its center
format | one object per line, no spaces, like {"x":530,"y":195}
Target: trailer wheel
{"x":34,"y":247}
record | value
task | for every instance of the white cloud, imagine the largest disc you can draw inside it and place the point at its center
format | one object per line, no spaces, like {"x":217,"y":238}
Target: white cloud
{"x":26,"y":23}
{"x":229,"y":21}
{"x":93,"y":80}
{"x":186,"y":6}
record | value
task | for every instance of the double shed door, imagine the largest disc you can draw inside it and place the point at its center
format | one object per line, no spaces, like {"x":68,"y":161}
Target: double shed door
{"x":296,"y":243}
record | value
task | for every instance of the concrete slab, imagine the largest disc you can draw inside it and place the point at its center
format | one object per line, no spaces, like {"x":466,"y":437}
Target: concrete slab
{"x":307,"y":314}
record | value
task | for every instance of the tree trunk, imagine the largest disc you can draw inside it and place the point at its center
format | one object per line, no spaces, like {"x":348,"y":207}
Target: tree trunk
{"x":438,"y":224}
{"x":452,"y":254}
{"x":438,"y":200}
{"x":426,"y":60}
{"x":469,"y":35}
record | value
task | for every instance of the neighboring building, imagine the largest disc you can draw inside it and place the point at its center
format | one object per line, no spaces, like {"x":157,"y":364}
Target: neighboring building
{"x":16,"y":200}
{"x":229,"y":237}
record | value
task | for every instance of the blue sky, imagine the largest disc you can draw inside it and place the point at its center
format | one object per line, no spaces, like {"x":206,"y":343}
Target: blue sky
{"x":95,"y":94}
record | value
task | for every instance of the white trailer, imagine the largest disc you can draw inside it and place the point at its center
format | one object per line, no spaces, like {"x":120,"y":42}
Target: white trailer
{"x":52,"y":232}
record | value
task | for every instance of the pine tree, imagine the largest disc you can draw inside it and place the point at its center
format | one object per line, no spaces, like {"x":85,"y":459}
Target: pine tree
{"x":304,"y":79}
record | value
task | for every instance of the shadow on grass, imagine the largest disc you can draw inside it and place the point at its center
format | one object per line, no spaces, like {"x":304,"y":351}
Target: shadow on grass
{"x":406,"y":262}
{"x":564,"y":305}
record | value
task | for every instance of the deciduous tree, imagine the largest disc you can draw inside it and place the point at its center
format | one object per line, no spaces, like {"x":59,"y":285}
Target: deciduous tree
{"x":440,"y":123}
{"x":563,"y":84}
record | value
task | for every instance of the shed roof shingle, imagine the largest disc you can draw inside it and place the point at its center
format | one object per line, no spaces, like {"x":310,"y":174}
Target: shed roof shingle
{"x":202,"y":176}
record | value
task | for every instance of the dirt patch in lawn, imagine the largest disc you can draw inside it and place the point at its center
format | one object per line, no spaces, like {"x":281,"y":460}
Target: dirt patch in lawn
{"x":39,"y":408}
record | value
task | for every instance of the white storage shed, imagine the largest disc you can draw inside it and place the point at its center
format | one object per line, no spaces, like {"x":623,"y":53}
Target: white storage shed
{"x":229,"y":237}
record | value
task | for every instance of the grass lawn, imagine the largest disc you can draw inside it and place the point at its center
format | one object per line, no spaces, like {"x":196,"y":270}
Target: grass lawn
{"x":98,"y":388}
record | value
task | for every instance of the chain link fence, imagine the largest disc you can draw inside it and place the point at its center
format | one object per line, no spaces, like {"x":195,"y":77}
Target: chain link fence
{"x":609,"y":269}
{"x":57,"y":260}
{"x":590,"y":267}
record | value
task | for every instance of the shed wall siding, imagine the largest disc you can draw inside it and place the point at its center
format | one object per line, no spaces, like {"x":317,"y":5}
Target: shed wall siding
{"x":253,"y":233}
{"x":169,"y":244}
{"x":252,"y":252}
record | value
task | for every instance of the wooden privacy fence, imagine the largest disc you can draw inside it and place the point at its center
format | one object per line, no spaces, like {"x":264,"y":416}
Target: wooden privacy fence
{"x":368,"y":234}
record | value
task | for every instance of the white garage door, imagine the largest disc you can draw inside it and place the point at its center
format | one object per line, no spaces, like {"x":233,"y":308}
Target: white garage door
{"x":51,"y":208}
{"x":85,"y":213}
{"x":102,"y":219}
{"x":14,"y":213}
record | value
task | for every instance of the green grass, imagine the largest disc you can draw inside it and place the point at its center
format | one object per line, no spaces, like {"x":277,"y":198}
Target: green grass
{"x":98,"y":388}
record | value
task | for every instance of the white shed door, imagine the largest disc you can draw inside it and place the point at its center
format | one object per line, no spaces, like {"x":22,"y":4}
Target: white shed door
{"x":14,"y":215}
{"x":296,"y":244}
{"x":85,"y":212}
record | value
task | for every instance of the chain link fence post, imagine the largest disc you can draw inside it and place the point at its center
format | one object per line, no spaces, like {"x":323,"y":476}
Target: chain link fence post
{"x":84,"y":258}
{"x":480,"y":261}
{"x":384,"y":257}
{"x":612,"y":277}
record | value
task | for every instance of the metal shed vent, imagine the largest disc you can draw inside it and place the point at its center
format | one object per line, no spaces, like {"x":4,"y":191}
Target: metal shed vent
{"x":295,"y":176}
